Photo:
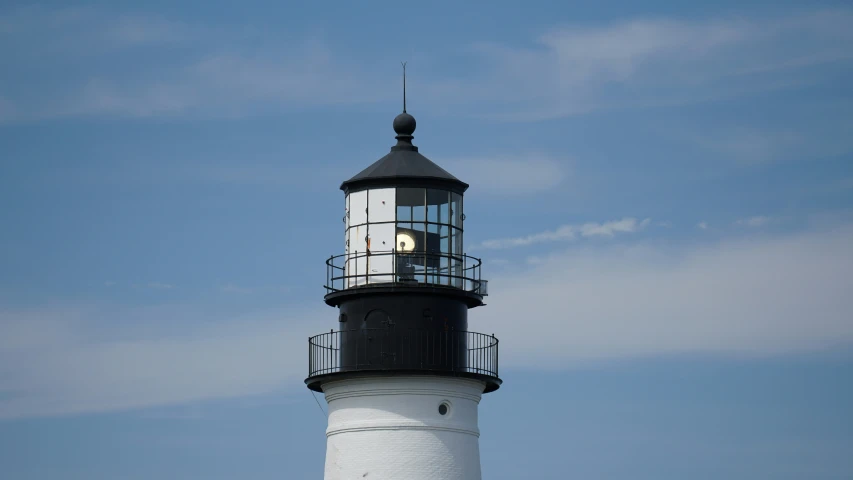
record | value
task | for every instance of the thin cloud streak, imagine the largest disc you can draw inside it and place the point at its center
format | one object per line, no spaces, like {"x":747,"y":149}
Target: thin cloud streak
{"x":801,"y":139}
{"x":571,"y":232}
{"x":754,"y":222}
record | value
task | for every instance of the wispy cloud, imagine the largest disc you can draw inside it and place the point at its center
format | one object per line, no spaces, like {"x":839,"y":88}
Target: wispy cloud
{"x":802,"y":138}
{"x":656,"y":61}
{"x":757,"y":297}
{"x":127,"y":65}
{"x":754,"y":222}
{"x":702,"y":225}
{"x":88,"y":31}
{"x":227,"y":85}
{"x":571,"y":232}
{"x":246,"y":290}
{"x":752,"y":146}
{"x":232,"y":288}
{"x":262,"y":174}
{"x":56,"y":361}
{"x":510,"y":175}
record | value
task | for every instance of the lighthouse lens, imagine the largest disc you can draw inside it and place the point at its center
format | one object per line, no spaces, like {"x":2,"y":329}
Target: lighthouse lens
{"x":405,"y":242}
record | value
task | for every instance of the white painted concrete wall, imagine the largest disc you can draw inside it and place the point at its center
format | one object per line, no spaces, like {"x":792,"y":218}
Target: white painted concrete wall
{"x":384,"y":428}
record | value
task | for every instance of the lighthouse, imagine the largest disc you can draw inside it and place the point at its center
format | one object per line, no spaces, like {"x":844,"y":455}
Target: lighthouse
{"x":402,"y":374}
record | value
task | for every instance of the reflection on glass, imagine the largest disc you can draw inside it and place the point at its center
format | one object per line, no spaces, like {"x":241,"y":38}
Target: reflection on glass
{"x":456,"y":210}
{"x":456,"y":261}
{"x":444,"y":247}
{"x":438,"y":206}
{"x":433,"y":255}
{"x":428,"y":234}
{"x":407,"y":200}
{"x":404,"y":213}
{"x":419,"y":213}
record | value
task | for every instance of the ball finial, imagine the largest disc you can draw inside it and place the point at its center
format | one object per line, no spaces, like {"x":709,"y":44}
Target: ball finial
{"x":404,"y":124}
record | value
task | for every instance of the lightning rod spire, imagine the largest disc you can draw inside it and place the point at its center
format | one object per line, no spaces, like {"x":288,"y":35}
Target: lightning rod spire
{"x":404,"y":86}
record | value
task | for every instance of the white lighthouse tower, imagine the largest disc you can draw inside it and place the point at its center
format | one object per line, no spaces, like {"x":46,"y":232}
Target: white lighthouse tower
{"x":403,"y":376}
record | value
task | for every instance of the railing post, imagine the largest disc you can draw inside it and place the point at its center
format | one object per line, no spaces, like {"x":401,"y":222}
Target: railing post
{"x":497,"y":352}
{"x":483,"y":353}
{"x":464,"y":272}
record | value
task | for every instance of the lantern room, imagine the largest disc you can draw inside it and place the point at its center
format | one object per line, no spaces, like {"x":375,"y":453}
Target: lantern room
{"x":406,"y":234}
{"x":403,"y":224}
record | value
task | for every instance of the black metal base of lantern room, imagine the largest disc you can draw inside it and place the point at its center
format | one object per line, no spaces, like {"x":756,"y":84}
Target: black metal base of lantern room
{"x":403,"y":330}
{"x":316,"y":382}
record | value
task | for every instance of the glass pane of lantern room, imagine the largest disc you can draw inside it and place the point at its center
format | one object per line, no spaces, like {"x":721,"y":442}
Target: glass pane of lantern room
{"x":381,"y":206}
{"x":346,"y":211}
{"x":410,"y":240}
{"x":444,"y":246}
{"x":419,"y":257}
{"x":456,"y":210}
{"x":412,"y":200}
{"x":433,"y":253}
{"x":381,"y":214}
{"x":404,"y":212}
{"x":380,"y":261}
{"x":456,"y":258}
{"x":346,"y":265}
{"x":357,"y":260}
{"x":438,"y":206}
{"x":404,"y":241}
{"x":410,"y":246}
{"x":358,"y":208}
{"x":438,"y":216}
{"x":358,"y":255}
{"x":457,"y":263}
{"x":336,"y":273}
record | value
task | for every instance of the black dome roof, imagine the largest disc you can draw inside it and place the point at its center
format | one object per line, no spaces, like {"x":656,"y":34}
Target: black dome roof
{"x":404,"y":166}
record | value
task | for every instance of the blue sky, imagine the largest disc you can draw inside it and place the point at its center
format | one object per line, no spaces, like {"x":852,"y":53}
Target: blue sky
{"x":662,"y":194}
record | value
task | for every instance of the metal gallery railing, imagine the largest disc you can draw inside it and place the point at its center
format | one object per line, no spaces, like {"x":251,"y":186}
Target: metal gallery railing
{"x":390,"y":348}
{"x":359,"y":269}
